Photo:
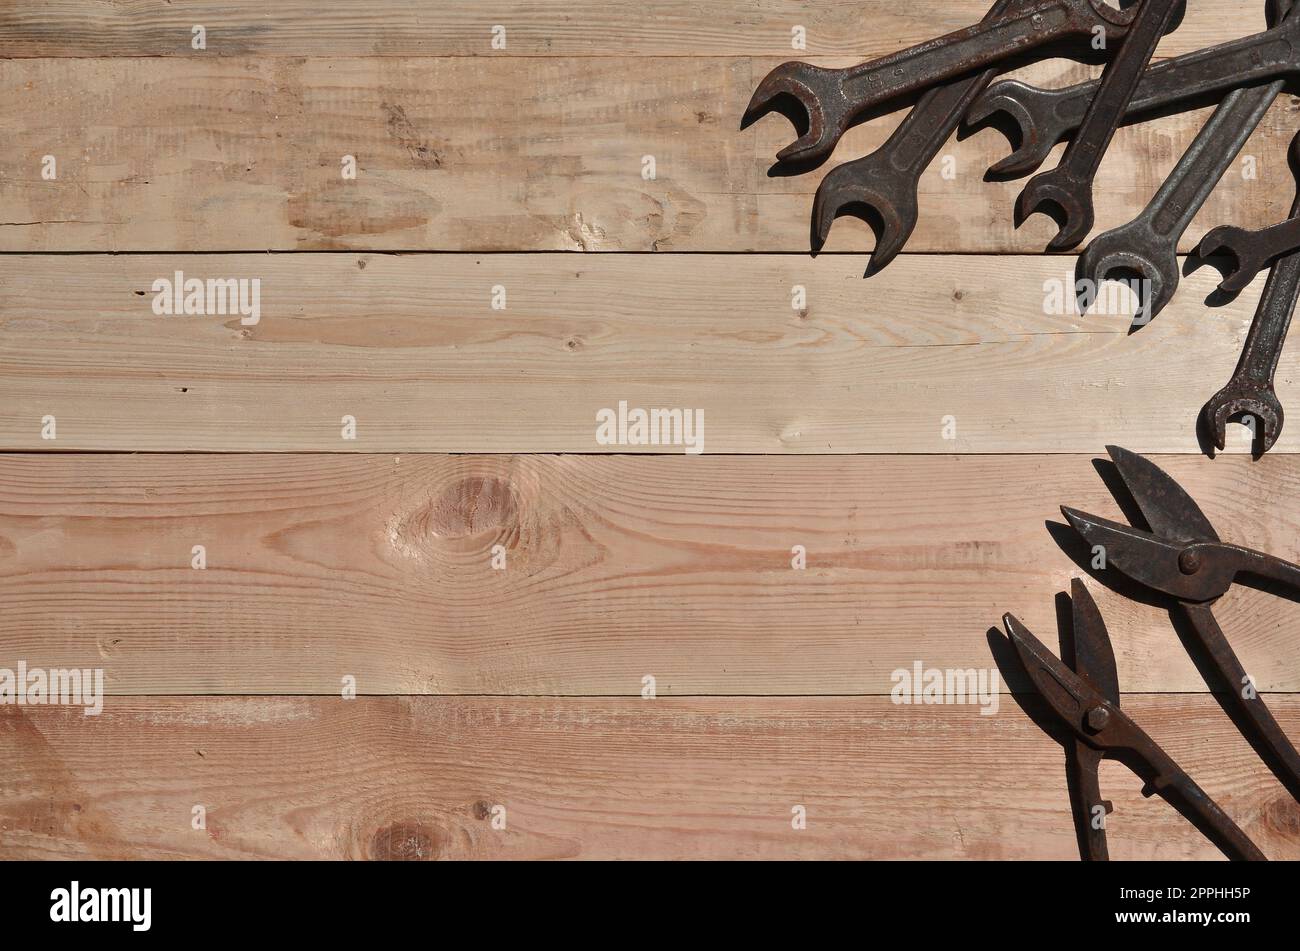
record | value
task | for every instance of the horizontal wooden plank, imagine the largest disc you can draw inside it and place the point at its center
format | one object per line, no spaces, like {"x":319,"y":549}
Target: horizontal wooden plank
{"x":481,"y":154}
{"x":412,"y":348}
{"x":531,"y":27}
{"x":420,"y":778}
{"x":616,"y":567}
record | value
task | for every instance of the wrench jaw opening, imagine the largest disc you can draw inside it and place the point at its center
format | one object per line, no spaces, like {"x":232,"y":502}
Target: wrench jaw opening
{"x":1014,"y":102}
{"x":1073,"y":199}
{"x":1118,"y":20}
{"x":813,"y":89}
{"x":859,"y":186}
{"x":1117,"y":250}
{"x":1235,"y":243}
{"x":1260,"y":405}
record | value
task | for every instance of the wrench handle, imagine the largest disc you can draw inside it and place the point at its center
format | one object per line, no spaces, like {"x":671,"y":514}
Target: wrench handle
{"x":1084,"y":154}
{"x":931,"y":122}
{"x":1245,"y":62}
{"x":963,"y":51}
{"x":1279,"y":239}
{"x":1215,"y":148}
{"x":1263,"y":348}
{"x":937,"y":114}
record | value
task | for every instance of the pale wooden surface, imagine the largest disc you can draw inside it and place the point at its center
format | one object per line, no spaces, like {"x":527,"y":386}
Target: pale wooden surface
{"x":415,"y":778}
{"x":378,"y":567}
{"x":410,"y":346}
{"x":367,"y":560}
{"x":862,"y":28}
{"x":512,"y":154}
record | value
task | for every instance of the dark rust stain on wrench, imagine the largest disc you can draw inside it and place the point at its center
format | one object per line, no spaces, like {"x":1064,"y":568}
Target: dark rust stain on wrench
{"x":833,"y":98}
{"x":1250,"y":392}
{"x":1046,"y":116}
{"x":887,"y":180}
{"x":1069,"y":185}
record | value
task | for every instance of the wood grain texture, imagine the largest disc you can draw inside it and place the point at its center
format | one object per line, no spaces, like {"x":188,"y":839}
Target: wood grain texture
{"x":379,"y":567}
{"x":417,"y":778}
{"x":328,"y":559}
{"x":411,"y":347}
{"x":865,"y":28}
{"x":480,"y":154}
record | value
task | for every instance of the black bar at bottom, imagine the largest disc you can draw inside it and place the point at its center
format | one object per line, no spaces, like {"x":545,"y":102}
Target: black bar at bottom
{"x":650,"y":900}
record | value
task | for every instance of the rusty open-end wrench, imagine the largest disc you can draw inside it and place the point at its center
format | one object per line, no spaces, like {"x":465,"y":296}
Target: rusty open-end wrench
{"x":1149,"y":243}
{"x":1250,"y":391}
{"x":1046,"y":116}
{"x":1069,"y":185}
{"x":833,"y":98}
{"x":1251,"y":250}
{"x":888,"y":179}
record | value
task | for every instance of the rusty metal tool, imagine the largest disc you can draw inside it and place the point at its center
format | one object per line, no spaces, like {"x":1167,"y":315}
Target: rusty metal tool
{"x":1183,"y":558}
{"x":1046,"y":116}
{"x":1086,"y":699}
{"x":833,"y":98}
{"x":1251,"y":390}
{"x":888,"y":179}
{"x":1251,"y":250}
{"x":1094,"y":662}
{"x":1069,"y":185}
{"x":1149,"y":243}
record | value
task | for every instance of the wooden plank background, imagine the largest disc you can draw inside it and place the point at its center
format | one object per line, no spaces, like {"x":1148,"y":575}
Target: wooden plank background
{"x":224,"y":154}
{"x":390,"y":778}
{"x":411,"y":347}
{"x":320,"y":566}
{"x":379,"y":28}
{"x":370,"y":558}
